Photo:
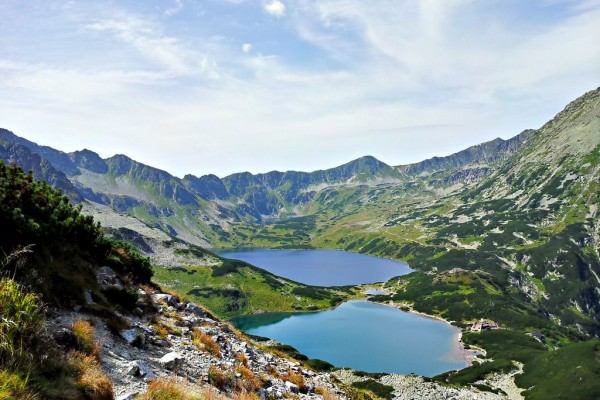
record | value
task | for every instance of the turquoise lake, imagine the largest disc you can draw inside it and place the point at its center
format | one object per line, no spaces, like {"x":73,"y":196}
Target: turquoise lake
{"x":361,"y":335}
{"x":322,"y":267}
{"x":365,"y":336}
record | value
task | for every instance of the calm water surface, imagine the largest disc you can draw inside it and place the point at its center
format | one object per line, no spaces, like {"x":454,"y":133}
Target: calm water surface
{"x":365,"y":336}
{"x":322,"y":267}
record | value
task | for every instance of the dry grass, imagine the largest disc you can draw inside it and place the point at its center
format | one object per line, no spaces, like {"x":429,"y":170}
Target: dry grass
{"x":175,"y":294}
{"x":84,"y":336}
{"x":242,"y":359}
{"x":220,"y":379}
{"x":327,"y":395}
{"x":161,"y":330}
{"x":273,"y":371}
{"x":202,"y":341}
{"x":173,"y":314}
{"x":248,"y":382}
{"x":171,"y":389}
{"x":148,"y":289}
{"x":295,"y":378}
{"x":244,"y":396}
{"x":91,"y":380}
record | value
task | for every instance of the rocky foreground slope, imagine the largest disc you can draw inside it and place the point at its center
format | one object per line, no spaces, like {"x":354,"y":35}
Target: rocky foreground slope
{"x":186,"y":345}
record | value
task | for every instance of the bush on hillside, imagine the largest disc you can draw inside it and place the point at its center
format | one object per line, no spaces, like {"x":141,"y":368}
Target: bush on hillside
{"x":61,"y":246}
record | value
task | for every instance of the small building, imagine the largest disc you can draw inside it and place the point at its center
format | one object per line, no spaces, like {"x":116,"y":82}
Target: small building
{"x":483,"y":325}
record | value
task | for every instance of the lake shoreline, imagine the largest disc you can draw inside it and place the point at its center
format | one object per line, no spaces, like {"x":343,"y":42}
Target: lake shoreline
{"x":461,"y":352}
{"x":455,"y":357}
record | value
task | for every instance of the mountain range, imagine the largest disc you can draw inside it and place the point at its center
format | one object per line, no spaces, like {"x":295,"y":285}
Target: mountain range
{"x":211,"y":203}
{"x":524,"y":211}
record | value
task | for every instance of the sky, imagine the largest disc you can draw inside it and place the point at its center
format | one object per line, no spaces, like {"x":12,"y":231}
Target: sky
{"x":225,"y":86}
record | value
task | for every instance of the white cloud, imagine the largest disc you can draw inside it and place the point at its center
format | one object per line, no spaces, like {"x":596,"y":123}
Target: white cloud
{"x":246,"y":47}
{"x":276,"y":8}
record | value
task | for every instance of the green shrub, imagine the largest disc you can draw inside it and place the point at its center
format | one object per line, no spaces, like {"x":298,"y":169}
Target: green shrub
{"x":383,"y":391}
{"x":56,"y":247}
{"x":319,"y":365}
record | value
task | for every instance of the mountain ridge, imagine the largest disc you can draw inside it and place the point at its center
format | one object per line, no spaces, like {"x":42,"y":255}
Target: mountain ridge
{"x":244,"y":195}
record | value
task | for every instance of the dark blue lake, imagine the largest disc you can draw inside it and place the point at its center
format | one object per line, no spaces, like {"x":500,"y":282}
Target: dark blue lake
{"x":365,"y":336}
{"x":322,"y":267}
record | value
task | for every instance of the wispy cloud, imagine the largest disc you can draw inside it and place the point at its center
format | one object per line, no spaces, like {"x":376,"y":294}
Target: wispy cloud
{"x":246,"y":47}
{"x":165,"y":51}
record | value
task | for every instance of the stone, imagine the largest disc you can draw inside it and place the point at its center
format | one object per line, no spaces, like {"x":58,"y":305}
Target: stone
{"x":291,"y":387}
{"x":132,"y":336}
{"x":166,"y":298}
{"x":140,"y":369}
{"x":194,"y":309}
{"x":171,"y":360}
{"x":65,"y":337}
{"x":88,"y":298}
{"x":138,"y":312}
{"x":161,"y":343}
{"x":107,"y":277}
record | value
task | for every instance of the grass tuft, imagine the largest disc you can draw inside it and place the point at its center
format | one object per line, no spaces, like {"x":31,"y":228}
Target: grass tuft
{"x":91,"y":381}
{"x":202,"y":341}
{"x":20,"y":324}
{"x":248,"y":381}
{"x":14,"y":386}
{"x":84,"y":336}
{"x":295,"y":378}
{"x":220,"y":379}
{"x":171,"y":389}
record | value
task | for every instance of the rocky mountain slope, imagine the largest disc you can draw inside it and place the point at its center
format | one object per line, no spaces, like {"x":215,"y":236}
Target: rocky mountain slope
{"x":201,"y":210}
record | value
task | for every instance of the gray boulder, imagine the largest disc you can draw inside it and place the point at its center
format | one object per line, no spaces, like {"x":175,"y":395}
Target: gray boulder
{"x":132,"y":336}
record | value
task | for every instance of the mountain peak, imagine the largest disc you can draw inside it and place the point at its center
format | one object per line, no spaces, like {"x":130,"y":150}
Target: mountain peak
{"x":89,"y":160}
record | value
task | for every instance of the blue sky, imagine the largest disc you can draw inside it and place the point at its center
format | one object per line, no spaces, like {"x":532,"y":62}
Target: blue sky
{"x":223,"y":86}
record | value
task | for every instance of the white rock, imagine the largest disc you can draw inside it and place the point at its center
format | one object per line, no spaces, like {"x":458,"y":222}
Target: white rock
{"x":291,"y":387}
{"x":171,"y":360}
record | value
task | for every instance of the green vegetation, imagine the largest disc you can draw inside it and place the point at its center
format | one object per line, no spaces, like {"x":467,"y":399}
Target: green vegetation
{"x":21,"y":321}
{"x":234,"y":288}
{"x":378,"y":389}
{"x":464,"y":296}
{"x":547,"y":373}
